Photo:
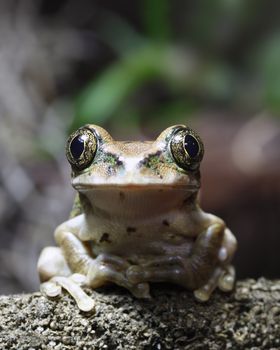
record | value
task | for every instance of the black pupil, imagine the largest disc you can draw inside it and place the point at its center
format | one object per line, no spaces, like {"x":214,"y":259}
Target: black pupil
{"x":77,"y":146}
{"x":191,"y":146}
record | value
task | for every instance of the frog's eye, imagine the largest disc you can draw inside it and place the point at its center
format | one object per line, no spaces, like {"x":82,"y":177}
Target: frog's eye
{"x":186,"y":148}
{"x":81,"y":148}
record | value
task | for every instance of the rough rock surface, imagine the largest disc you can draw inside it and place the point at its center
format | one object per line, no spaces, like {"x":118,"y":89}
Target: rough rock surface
{"x":249,"y":318}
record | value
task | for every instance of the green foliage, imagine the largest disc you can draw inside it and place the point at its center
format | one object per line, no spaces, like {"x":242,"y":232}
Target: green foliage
{"x":194,"y":63}
{"x":269,"y":68}
{"x":156,"y":19}
{"x":104,"y":96}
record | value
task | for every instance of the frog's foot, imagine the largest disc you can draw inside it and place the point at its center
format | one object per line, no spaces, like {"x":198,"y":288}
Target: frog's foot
{"x":56,"y":275}
{"x":222,"y":277}
{"x":108,"y":268}
{"x":72,"y":284}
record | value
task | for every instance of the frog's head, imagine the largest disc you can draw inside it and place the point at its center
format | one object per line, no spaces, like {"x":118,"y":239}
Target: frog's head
{"x":168,"y":164}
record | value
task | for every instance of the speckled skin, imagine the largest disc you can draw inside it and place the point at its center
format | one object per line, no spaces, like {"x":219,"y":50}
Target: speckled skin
{"x":137,"y":220}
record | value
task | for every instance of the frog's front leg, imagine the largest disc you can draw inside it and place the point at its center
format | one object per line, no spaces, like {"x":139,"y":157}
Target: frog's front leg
{"x":191,"y":270}
{"x":72,"y":265}
{"x":111,"y":268}
{"x":206,"y":268}
{"x":72,"y":256}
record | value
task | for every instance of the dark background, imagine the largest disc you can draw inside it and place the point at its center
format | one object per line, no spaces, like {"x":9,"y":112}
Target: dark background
{"x":136,"y":67}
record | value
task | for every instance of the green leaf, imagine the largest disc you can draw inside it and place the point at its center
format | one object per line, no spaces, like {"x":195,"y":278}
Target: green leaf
{"x":156,"y":19}
{"x":269,"y":71}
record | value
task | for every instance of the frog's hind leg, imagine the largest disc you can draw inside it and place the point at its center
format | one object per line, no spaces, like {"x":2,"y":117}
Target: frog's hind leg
{"x":52,"y":263}
{"x":224,"y":274}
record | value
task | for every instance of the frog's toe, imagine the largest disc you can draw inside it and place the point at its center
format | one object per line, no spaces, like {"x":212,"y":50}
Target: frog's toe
{"x":227,"y":279}
{"x":135,"y":274}
{"x":201,"y":294}
{"x":78,"y":278}
{"x":72,"y":285}
{"x":141,"y":291}
{"x":51,"y":289}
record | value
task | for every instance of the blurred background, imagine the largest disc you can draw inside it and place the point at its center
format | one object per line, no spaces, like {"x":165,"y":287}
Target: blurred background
{"x":135,"y":68}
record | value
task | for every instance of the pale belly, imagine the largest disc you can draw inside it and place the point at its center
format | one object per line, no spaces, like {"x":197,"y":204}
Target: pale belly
{"x":137,"y":243}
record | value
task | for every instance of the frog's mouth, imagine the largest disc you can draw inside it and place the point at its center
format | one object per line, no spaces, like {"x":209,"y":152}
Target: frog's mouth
{"x":135,"y":202}
{"x":136,"y":183}
{"x":135,"y":187}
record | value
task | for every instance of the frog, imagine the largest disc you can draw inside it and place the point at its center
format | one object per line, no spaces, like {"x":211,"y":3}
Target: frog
{"x":137,"y":220}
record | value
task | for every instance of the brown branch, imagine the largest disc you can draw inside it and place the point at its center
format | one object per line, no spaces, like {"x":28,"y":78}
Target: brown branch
{"x":249,"y":318}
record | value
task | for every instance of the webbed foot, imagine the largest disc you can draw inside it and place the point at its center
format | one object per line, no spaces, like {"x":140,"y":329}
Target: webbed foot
{"x":56,"y":275}
{"x":109,"y":268}
{"x":223,"y":278}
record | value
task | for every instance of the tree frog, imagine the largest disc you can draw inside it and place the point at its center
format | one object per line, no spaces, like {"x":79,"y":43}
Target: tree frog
{"x":136,"y":219}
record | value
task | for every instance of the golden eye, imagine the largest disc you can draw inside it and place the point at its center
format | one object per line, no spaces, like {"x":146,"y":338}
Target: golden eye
{"x":186,"y":148}
{"x":81,"y":148}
